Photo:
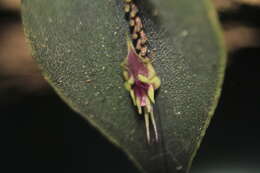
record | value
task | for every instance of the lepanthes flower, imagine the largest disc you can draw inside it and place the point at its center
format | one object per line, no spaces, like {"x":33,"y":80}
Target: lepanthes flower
{"x":141,"y":82}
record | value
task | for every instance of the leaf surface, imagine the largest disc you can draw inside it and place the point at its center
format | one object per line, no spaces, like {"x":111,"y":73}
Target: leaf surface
{"x":80,"y":44}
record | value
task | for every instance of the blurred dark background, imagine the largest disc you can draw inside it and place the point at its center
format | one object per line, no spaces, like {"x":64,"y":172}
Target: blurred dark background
{"x":41,"y":134}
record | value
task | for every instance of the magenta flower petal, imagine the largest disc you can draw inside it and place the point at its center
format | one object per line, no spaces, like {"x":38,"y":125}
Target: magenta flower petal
{"x":140,"y":90}
{"x":135,"y":65}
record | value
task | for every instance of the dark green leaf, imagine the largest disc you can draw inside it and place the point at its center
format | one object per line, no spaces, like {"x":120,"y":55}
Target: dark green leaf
{"x":80,"y":44}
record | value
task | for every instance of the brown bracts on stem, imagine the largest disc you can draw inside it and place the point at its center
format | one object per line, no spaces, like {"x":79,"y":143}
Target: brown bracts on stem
{"x":137,"y":31}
